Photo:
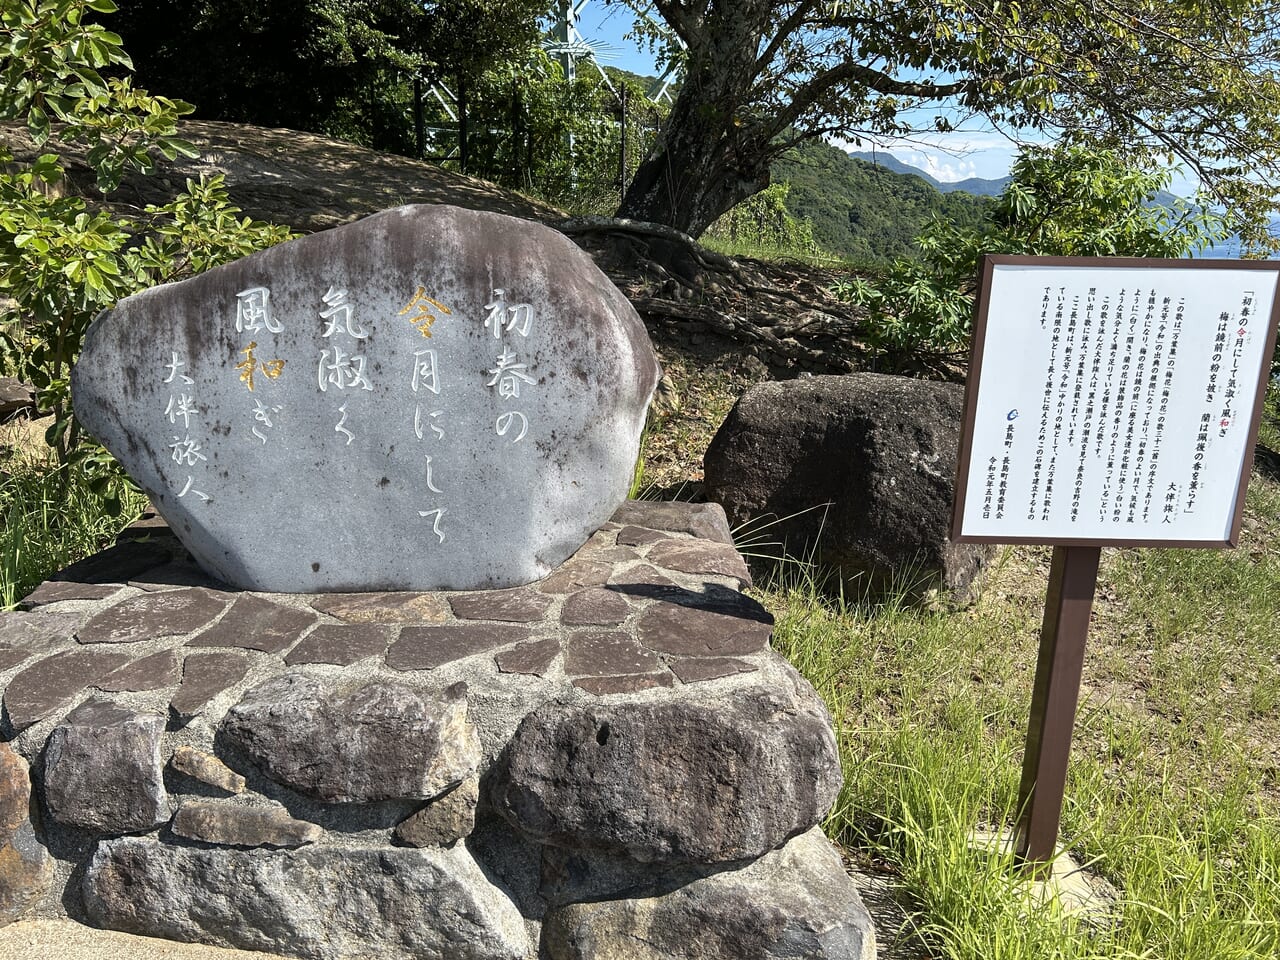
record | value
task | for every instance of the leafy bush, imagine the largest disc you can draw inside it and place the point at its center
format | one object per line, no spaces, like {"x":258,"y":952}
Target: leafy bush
{"x":763,"y":223}
{"x":1063,"y":201}
{"x":62,"y":260}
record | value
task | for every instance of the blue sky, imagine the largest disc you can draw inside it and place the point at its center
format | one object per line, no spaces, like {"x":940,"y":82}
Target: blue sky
{"x":978,"y":152}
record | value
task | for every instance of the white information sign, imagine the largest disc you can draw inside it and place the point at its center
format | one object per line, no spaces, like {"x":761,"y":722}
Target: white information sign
{"x":1113,"y":401}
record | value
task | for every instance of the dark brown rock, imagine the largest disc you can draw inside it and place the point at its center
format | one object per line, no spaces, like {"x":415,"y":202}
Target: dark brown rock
{"x":26,"y":868}
{"x":641,"y":536}
{"x":576,"y":574}
{"x":533,"y":657}
{"x":256,"y":624}
{"x":12,"y":656}
{"x":594,"y":607}
{"x":103,"y":772}
{"x":630,"y":683}
{"x":151,"y":615}
{"x":705,"y":520}
{"x":700,"y":556}
{"x":15,"y":790}
{"x":694,"y":670}
{"x":206,"y":768}
{"x":445,"y":819}
{"x":693,"y":632}
{"x":857,"y":474}
{"x":43,"y":687}
{"x":673,"y":781}
{"x":120,"y":563}
{"x":155,"y":672}
{"x":607,"y":655}
{"x":643,"y":580}
{"x":383,"y":607}
{"x":55,"y":591}
{"x":511,"y":606}
{"x":237,"y":825}
{"x":382,"y":741}
{"x":174,"y":575}
{"x":14,"y":397}
{"x":204,"y":676}
{"x":425,"y":648}
{"x":39,"y":630}
{"x":26,"y":871}
{"x":341,"y":643}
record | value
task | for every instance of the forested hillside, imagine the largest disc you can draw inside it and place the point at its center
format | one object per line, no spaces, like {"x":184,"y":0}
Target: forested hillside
{"x":861,"y":210}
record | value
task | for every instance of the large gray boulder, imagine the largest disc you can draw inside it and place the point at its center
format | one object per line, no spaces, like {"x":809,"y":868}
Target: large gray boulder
{"x":429,"y":398}
{"x":673,"y":781}
{"x":331,"y":904}
{"x":794,"y":902}
{"x":854,"y":472}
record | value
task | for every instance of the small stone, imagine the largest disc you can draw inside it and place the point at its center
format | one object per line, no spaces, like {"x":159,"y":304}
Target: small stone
{"x":425,"y":648}
{"x":48,"y":684}
{"x":26,"y":868}
{"x":630,"y":683}
{"x":39,"y":630}
{"x":700,"y":556}
{"x":10,"y":657}
{"x":383,"y":607}
{"x":382,"y":741}
{"x":206,"y":768}
{"x":641,"y":536}
{"x":793,"y":902}
{"x":55,"y":591}
{"x":445,"y":819}
{"x":26,"y":871}
{"x":256,"y":624}
{"x":236,"y":825}
{"x":15,"y":790}
{"x":607,"y":655}
{"x":121,"y":563}
{"x":153,"y":615}
{"x":594,"y":607}
{"x":512,"y":606}
{"x":204,"y":676}
{"x":534,"y":657}
{"x":155,"y":672}
{"x":102,"y":770}
{"x":330,"y":903}
{"x":705,"y":520}
{"x":575,"y":575}
{"x":673,"y":780}
{"x":341,"y":643}
{"x":644,"y":581}
{"x":692,"y":632}
{"x":695,"y":670}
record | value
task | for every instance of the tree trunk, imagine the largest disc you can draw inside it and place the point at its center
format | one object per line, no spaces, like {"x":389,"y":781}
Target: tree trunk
{"x":710,"y":156}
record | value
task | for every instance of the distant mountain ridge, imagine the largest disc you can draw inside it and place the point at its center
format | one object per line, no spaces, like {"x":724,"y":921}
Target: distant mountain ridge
{"x":978,"y":186}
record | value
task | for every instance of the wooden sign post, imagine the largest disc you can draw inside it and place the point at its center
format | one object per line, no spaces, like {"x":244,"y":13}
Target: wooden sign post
{"x":1110,"y":402}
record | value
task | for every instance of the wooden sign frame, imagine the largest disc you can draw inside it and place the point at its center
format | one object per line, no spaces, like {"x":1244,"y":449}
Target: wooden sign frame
{"x":976,"y":373}
{"x":1074,"y":569}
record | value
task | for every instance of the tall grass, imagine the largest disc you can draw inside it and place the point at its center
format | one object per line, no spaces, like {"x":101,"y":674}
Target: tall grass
{"x":48,"y":519}
{"x":1172,"y":793}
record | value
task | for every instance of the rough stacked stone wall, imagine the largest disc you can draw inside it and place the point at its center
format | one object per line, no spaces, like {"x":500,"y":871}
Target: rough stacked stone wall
{"x":610,"y":757}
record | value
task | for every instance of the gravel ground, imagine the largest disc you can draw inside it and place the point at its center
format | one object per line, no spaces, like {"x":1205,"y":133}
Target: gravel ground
{"x":68,"y":940}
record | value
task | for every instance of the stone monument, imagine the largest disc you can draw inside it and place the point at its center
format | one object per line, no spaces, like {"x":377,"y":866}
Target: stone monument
{"x":429,"y":398}
{"x":608,"y":763}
